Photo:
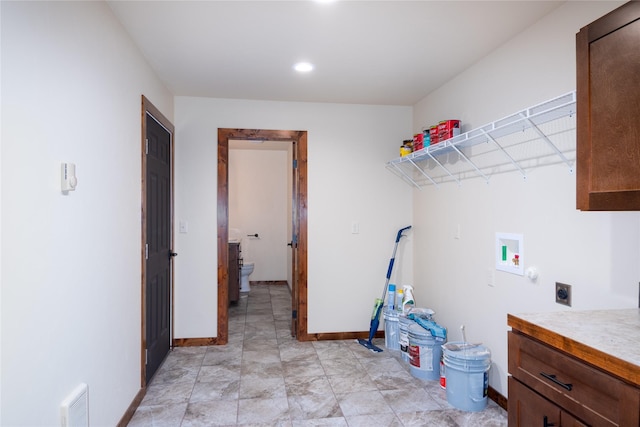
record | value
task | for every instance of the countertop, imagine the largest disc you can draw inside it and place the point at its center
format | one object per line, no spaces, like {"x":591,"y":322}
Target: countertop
{"x":606,"y":339}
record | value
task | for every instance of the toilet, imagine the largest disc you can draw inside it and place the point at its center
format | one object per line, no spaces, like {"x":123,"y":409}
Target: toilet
{"x":245,"y":271}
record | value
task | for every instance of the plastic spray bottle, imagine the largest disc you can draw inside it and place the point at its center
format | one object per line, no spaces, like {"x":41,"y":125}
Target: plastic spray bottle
{"x":399,"y":298}
{"x":391,"y":297}
{"x":408,"y":302}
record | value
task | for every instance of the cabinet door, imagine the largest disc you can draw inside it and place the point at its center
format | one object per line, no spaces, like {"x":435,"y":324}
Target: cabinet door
{"x":608,"y":111}
{"x":527,"y":408}
{"x":567,"y":420}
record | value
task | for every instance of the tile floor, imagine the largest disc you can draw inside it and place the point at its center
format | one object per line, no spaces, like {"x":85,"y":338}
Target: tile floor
{"x":263,"y":377}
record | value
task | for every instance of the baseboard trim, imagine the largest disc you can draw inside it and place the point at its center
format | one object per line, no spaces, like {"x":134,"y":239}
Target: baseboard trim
{"x":268,"y":282}
{"x":131,"y":410}
{"x":194,"y":342}
{"x":330,"y":336}
{"x":500,"y":400}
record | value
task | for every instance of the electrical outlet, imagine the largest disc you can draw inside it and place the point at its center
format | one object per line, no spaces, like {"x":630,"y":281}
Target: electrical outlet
{"x":563,"y":294}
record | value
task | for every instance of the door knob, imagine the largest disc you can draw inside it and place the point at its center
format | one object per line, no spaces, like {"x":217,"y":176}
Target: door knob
{"x":290,"y":243}
{"x":172,"y":254}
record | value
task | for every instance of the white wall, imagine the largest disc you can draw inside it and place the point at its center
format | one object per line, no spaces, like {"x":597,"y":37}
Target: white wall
{"x":348,"y":146}
{"x":71,"y":307}
{"x":258,"y":203}
{"x":596,"y":252}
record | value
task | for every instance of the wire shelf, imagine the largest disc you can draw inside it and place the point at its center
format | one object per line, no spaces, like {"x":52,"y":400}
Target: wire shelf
{"x":537,"y":136}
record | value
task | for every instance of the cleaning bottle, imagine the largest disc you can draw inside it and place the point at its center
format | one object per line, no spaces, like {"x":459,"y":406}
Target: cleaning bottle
{"x":408,"y":302}
{"x":399,"y":298}
{"x":391,"y":297}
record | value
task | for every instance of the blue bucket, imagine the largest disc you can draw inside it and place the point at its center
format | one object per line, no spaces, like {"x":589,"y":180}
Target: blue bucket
{"x":391,"y":330}
{"x":424,"y":353}
{"x":404,"y":322}
{"x":467,"y":376}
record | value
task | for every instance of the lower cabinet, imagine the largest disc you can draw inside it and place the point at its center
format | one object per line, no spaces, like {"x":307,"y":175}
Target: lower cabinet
{"x":528,"y":409}
{"x":549,"y":388}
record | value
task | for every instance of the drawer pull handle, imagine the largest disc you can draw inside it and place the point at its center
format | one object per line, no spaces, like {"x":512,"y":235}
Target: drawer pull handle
{"x":553,"y":378}
{"x":547,"y":423}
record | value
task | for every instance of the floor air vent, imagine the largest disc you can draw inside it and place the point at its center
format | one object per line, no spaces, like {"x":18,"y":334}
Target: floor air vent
{"x":75,"y":408}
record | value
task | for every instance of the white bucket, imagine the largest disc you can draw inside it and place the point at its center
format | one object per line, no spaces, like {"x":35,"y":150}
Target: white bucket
{"x":424,"y":353}
{"x":391,"y":330}
{"x":467,"y":375}
{"x":403,"y":337}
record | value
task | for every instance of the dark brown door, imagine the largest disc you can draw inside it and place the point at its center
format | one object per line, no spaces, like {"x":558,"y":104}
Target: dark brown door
{"x":159,"y":245}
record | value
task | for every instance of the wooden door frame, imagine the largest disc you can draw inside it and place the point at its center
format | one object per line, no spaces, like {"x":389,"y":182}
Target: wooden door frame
{"x":149,"y":108}
{"x":300,"y":139}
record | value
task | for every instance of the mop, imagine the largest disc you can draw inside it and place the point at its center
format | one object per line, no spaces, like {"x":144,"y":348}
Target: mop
{"x":377,"y":307}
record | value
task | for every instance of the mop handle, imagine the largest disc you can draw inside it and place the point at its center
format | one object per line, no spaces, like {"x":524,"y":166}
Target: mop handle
{"x":393,"y":260}
{"x":400,"y":234}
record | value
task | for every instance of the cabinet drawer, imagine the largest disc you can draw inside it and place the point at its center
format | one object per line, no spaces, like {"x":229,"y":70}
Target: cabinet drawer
{"x":588,"y":393}
{"x":528,"y":409}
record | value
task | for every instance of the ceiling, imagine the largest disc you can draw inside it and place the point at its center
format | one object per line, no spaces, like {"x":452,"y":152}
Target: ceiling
{"x":365,"y":52}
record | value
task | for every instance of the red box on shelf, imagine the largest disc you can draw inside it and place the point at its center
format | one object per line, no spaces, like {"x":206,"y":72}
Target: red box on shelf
{"x":433,"y":134}
{"x":448,"y":129}
{"x":418,"y":142}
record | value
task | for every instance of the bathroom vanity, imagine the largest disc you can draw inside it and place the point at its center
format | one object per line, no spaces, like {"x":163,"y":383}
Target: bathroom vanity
{"x":234,"y":271}
{"x":574,"y":368}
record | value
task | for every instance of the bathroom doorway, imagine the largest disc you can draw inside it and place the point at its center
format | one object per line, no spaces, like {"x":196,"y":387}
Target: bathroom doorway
{"x":260,"y":214}
{"x":298,"y":239}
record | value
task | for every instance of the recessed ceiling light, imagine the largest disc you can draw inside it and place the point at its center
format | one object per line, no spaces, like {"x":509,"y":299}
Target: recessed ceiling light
{"x":303,"y":67}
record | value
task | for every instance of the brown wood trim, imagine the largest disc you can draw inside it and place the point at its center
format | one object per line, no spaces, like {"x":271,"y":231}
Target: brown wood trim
{"x":331,"y":336}
{"x":300,"y":139}
{"x":583,"y":127}
{"x":301,"y":294}
{"x":620,"y":200}
{"x":223,"y":236}
{"x":268,"y":282}
{"x":143,"y":239}
{"x":262,"y":134}
{"x":617,"y":18}
{"x":131,"y":410}
{"x":500,"y":400}
{"x":148,"y":107}
{"x":195,"y":342}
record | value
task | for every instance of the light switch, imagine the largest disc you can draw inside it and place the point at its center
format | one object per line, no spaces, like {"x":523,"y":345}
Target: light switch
{"x":184,"y":227}
{"x":68,"y":177}
{"x":355,"y":227}
{"x":491,"y":277}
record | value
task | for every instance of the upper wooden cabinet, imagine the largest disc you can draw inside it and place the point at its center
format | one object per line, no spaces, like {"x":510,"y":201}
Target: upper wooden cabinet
{"x":608,"y":111}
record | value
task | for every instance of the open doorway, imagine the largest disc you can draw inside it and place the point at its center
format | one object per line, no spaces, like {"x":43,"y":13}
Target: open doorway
{"x":260,"y":215}
{"x":298,"y":140}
